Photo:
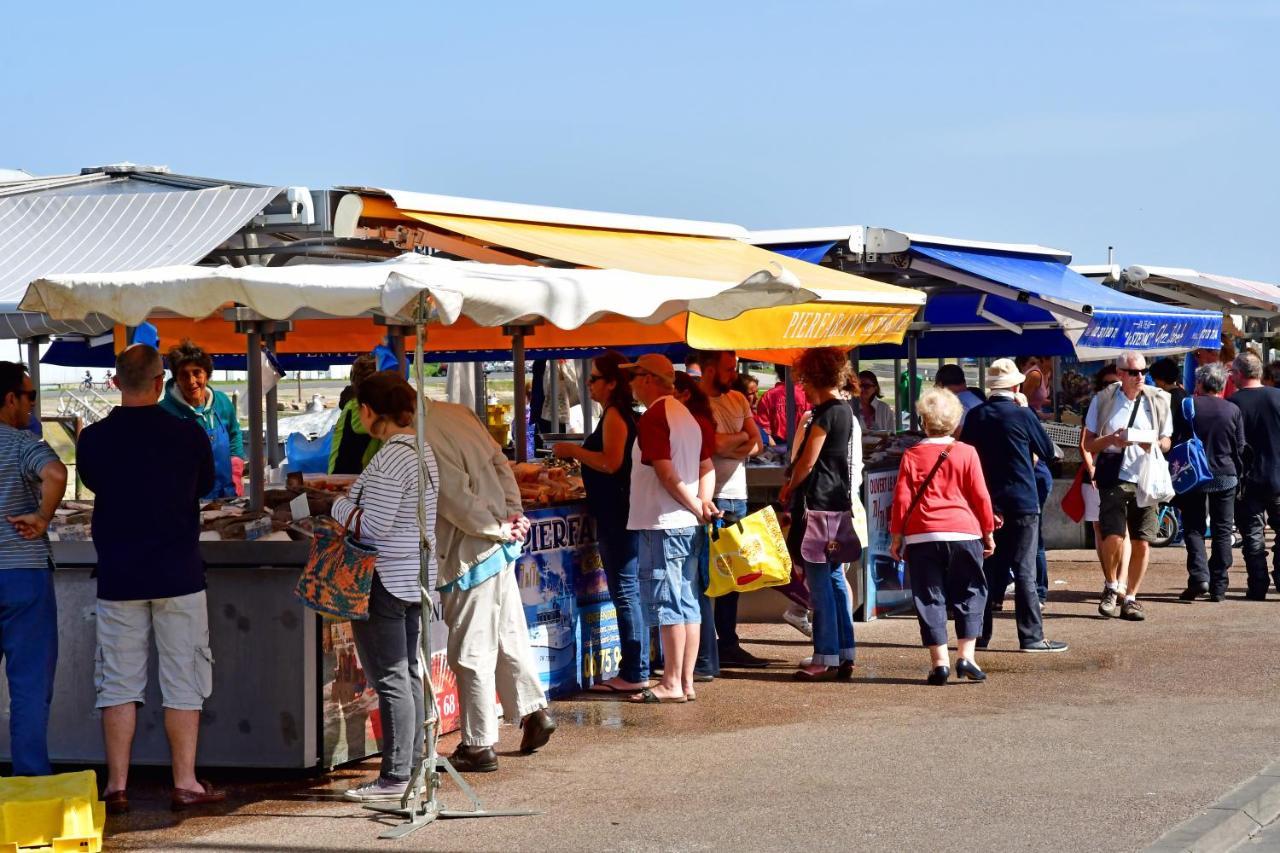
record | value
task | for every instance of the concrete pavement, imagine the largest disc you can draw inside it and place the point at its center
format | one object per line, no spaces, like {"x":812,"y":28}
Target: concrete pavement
{"x":1136,"y":729}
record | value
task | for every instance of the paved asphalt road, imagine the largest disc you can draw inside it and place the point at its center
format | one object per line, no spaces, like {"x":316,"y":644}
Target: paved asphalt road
{"x":1105,"y":747}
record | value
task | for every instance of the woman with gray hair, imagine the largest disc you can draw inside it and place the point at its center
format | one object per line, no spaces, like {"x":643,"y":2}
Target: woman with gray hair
{"x":1218,"y":423}
{"x":943,"y":516}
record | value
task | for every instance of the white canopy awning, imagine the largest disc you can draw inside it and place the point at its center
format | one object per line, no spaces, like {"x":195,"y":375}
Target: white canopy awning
{"x":43,"y":234}
{"x":488,"y":294}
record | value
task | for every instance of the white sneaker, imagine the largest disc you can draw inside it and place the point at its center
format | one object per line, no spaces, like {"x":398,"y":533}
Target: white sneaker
{"x":376,"y":791}
{"x":798,"y":619}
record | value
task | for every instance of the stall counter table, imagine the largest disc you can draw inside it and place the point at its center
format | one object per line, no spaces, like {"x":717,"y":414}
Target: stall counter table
{"x":288,"y":689}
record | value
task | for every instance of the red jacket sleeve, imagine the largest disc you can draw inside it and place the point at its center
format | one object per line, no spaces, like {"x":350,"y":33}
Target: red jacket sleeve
{"x":975,"y":491}
{"x":902,"y":493}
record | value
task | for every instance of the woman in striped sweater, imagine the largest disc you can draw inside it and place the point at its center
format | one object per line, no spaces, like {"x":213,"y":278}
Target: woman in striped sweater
{"x":383,"y":506}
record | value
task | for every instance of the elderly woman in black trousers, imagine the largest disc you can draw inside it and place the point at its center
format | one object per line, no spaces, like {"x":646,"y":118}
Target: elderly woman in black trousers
{"x":942,"y":523}
{"x":1219,"y":424}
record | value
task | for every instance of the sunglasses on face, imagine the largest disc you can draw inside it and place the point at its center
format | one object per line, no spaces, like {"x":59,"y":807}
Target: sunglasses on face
{"x":595,"y":377}
{"x":1135,"y":371}
{"x":867,"y":386}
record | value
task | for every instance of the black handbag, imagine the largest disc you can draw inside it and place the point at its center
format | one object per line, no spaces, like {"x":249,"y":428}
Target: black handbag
{"x":1106,"y":466}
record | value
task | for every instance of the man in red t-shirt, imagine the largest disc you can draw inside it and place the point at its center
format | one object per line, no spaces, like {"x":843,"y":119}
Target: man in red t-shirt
{"x":672,"y":482}
{"x":771,"y":412}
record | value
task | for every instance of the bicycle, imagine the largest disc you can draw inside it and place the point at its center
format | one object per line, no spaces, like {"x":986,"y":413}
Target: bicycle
{"x":1168,"y":526}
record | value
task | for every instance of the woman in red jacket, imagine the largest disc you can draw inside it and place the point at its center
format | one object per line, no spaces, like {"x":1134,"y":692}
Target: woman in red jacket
{"x":942,"y":514}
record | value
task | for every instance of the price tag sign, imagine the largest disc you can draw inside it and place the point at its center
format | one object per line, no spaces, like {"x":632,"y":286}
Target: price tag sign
{"x":300,"y":508}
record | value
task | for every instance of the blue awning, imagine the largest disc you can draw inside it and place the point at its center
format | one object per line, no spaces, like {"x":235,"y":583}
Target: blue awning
{"x":812,"y":253}
{"x":1111,"y":320}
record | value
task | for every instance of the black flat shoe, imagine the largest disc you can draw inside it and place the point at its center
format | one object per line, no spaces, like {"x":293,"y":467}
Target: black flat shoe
{"x":938,"y":675}
{"x":966,"y":669}
{"x":1193,"y":591}
{"x":845,"y":671}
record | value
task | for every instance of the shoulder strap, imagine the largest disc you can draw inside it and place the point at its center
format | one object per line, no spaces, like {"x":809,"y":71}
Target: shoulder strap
{"x":1137,"y":404}
{"x":915,"y":499}
{"x":1189,"y":412}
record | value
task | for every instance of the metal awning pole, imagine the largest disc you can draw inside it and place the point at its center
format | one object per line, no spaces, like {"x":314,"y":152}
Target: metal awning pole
{"x":1057,"y":387}
{"x":853,"y":362}
{"x":913,"y":387}
{"x":790,"y":387}
{"x":553,"y":394}
{"x":519,"y":418}
{"x":257,"y":456}
{"x":482,"y":390}
{"x":584,"y":393}
{"x":897,"y":402}
{"x":273,"y":412}
{"x":33,"y":369}
{"x":395,"y":340}
{"x":982,"y":374}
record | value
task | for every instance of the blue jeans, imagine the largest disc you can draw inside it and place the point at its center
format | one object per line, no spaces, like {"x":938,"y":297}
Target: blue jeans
{"x":832,"y":621}
{"x":668,"y":574}
{"x":29,"y":649}
{"x":619,"y":551}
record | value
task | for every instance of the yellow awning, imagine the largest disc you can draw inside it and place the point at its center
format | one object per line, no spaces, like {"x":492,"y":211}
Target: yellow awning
{"x":854,"y":311}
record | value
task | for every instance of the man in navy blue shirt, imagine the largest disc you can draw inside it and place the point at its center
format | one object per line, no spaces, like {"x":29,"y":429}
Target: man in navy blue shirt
{"x":1009,"y":438}
{"x":147,"y":470}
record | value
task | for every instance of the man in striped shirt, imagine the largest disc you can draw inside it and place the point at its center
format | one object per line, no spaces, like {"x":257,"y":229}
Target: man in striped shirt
{"x":32,"y":482}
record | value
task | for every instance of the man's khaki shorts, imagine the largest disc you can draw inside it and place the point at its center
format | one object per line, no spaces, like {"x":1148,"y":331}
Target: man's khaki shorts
{"x":181,"y":626}
{"x":1118,"y":510}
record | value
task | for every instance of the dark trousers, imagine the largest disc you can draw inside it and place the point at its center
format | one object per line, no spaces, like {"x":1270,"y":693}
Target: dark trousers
{"x":1016,"y":544}
{"x":620,"y":553}
{"x":1219,"y":510}
{"x":947,"y":574}
{"x":1044,"y":485}
{"x":1254,"y":511}
{"x":388,"y":646}
{"x":726,"y":606}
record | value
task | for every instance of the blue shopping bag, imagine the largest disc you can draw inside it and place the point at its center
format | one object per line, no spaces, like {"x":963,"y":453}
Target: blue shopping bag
{"x":1188,"y":464}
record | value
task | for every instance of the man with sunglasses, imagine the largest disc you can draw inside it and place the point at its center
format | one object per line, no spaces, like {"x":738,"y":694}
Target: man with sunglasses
{"x":1116,"y":410}
{"x":32,"y":482}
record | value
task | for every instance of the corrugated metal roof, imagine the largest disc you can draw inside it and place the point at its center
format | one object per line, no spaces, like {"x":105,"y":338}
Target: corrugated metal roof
{"x":45,"y":233}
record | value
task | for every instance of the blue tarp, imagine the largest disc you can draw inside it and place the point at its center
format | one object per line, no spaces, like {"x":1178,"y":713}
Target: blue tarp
{"x":810,"y":252}
{"x":1118,"y":321}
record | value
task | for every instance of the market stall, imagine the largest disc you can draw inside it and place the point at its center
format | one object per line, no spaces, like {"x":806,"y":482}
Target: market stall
{"x":984,"y":300}
{"x":317,"y":710}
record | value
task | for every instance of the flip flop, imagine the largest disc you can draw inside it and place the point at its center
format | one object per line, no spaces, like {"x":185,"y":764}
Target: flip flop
{"x":690,"y":696}
{"x":605,"y":687}
{"x":648,"y":697}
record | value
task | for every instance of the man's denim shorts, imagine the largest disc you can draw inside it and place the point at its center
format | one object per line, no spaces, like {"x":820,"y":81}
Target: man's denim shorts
{"x":668,"y":576}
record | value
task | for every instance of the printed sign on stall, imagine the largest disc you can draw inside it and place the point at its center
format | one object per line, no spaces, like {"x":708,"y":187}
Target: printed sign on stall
{"x":888,"y":585}
{"x":601,"y":643}
{"x":547,"y":573}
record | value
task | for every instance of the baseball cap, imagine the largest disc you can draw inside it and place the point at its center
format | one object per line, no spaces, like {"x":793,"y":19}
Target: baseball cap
{"x":654,"y":364}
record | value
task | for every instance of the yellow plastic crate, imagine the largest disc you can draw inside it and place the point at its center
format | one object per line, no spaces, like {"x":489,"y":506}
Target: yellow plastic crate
{"x":61,"y":812}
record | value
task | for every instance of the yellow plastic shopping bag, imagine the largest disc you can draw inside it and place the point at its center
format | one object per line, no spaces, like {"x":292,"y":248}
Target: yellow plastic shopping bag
{"x":749,"y":554}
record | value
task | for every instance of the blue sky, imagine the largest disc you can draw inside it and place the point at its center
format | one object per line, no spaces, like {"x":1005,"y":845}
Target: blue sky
{"x":1150,"y":126}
